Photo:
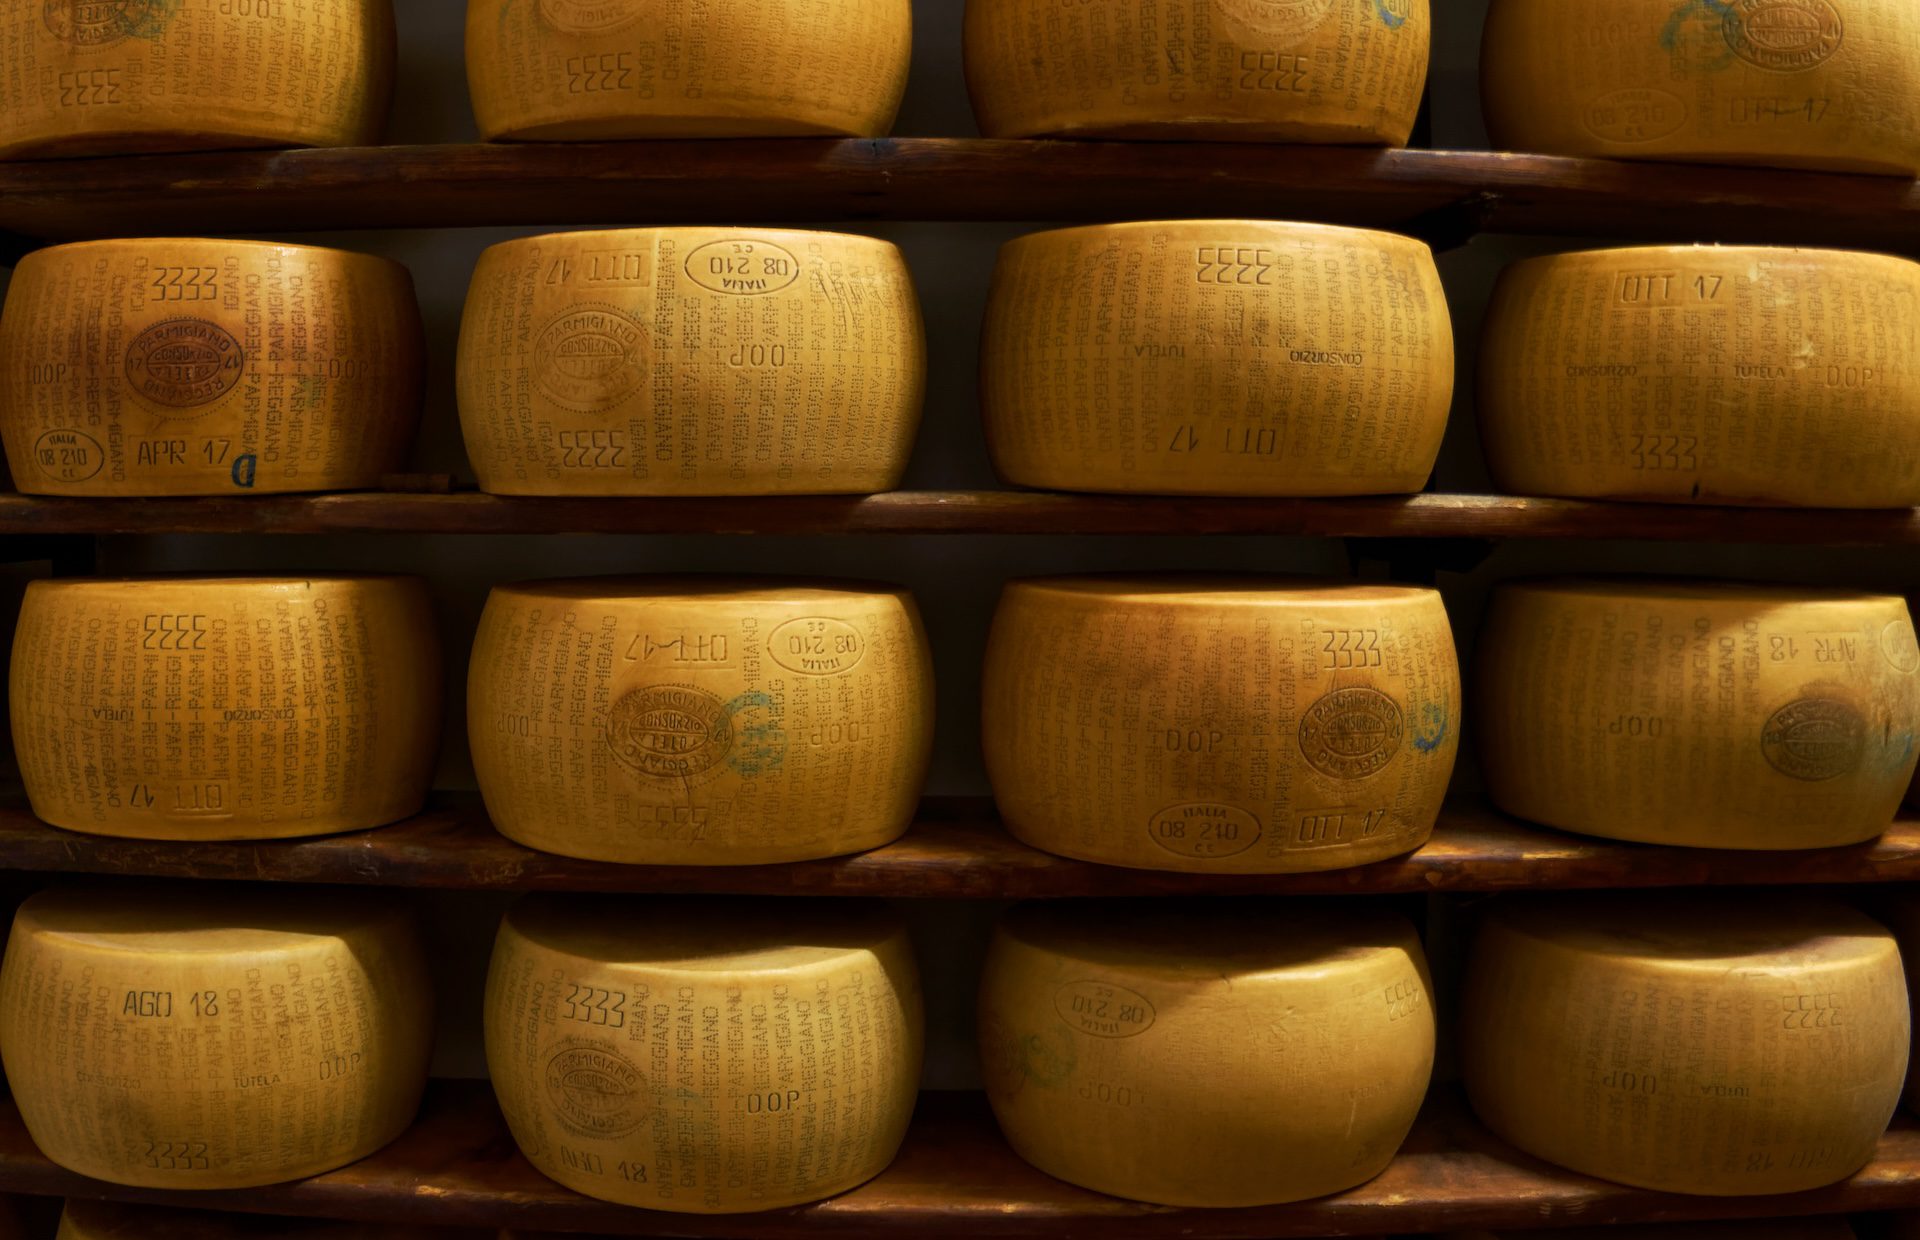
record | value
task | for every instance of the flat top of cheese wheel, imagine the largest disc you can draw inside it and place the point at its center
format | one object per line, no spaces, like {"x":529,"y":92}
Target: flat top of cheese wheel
{"x":241,"y":921}
{"x":717,"y":588}
{"x":704,"y":936}
{"x":1220,"y":589}
{"x":225,"y":244}
{"x":1713,"y":931}
{"x":603,"y":235}
{"x":1689,"y":589}
{"x":1328,"y":232}
{"x":135,"y":585}
{"x":1181,"y":936}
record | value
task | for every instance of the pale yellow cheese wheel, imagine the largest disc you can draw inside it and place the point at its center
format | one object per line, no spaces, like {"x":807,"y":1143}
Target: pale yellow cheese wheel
{"x":575,"y":70}
{"x":1216,"y":357}
{"x":225,"y":708}
{"x":1339,"y":71}
{"x":700,"y":721}
{"x":691,"y":361}
{"x":704,"y":1057}
{"x":1715,"y":1044}
{"x":194,"y":1038}
{"x":1830,"y":1228}
{"x":1197,"y":1056}
{"x":109,"y":1220}
{"x":1903,"y":914}
{"x":1702,"y":713}
{"x":177,"y":366}
{"x":1220,"y":725}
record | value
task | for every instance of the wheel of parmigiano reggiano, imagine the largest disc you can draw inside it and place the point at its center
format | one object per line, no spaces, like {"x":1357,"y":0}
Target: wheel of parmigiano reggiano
{"x":1744,"y":1229}
{"x":1717,"y":1044}
{"x":691,"y":361}
{"x":1831,"y":84}
{"x":198,"y":367}
{"x":173,"y":1038}
{"x":108,"y":1220}
{"x":1696,"y":373}
{"x":1230,"y":70}
{"x":705,"y":1057}
{"x":700,"y":721}
{"x":1701,"y":713}
{"x":1216,"y":357}
{"x":1200,"y":1057}
{"x":1220,"y":725}
{"x":225,"y":709}
{"x":1903,"y":914}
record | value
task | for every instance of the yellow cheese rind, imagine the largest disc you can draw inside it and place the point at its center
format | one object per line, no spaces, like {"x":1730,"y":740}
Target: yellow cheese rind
{"x":1715,"y":1045}
{"x":1220,"y":725}
{"x":191,"y":1044}
{"x":1706,"y":714}
{"x":1903,"y":914}
{"x":111,"y":1220}
{"x":1216,"y":357}
{"x":1226,"y":70}
{"x":225,"y":708}
{"x":1200,"y":1057}
{"x":691,"y":361}
{"x":183,"y":366}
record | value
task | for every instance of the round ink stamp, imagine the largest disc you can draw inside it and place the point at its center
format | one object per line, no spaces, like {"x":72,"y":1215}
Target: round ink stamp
{"x":589,"y":358}
{"x":1351,"y":733}
{"x":184,"y":364}
{"x":594,"y":1089}
{"x":1815,"y":739}
{"x":1783,"y":36}
{"x":670,"y":731}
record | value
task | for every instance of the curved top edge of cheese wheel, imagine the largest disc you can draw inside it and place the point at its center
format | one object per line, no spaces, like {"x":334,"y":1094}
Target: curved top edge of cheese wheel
{"x":1688,"y":589}
{"x":1180,"y":935}
{"x":717,"y":588}
{"x":1213,"y":590}
{"x":689,"y":230}
{"x":223,"y":244}
{"x":113,"y":919}
{"x":1295,"y":230}
{"x":702,"y":935}
{"x":1713,"y":930}
{"x":236,"y":584}
{"x":1772,"y":253}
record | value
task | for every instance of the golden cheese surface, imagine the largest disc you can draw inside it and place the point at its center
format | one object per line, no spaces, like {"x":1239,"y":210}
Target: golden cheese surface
{"x":1903,"y":914}
{"x":110,"y":1220}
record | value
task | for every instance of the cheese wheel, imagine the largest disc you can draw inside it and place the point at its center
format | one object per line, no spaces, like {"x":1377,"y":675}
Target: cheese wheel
{"x":1201,"y":1056}
{"x":1700,"y":713}
{"x":1904,"y":916}
{"x":1830,"y":84}
{"x":1696,"y":373}
{"x":700,"y":721}
{"x":574,"y":70}
{"x":1716,"y":1044}
{"x":704,"y":1057}
{"x":109,"y":1220}
{"x":225,"y":708}
{"x":691,"y":361}
{"x":1216,"y":357}
{"x":118,"y":77}
{"x":159,"y":1039}
{"x":1228,"y":70}
{"x":1832,"y":1228}
{"x":1220,"y":725}
{"x":198,"y":367}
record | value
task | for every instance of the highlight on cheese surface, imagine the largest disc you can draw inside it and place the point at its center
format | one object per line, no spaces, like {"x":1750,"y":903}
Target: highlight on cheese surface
{"x":704,"y":1056}
{"x":157,"y":1038}
{"x":574,"y":70}
{"x":691,"y":361}
{"x":109,"y":1220}
{"x":1687,"y":1042}
{"x":700,"y":720}
{"x":1723,"y":375}
{"x":1206,"y":1056}
{"x":1218,"y":724}
{"x":1229,"y":70}
{"x":199,"y":367}
{"x":182,"y":708}
{"x":1702,"y":713}
{"x":1216,"y":357}
{"x":1902,"y":913}
{"x":1827,"y":1228}
{"x":1831,"y":84}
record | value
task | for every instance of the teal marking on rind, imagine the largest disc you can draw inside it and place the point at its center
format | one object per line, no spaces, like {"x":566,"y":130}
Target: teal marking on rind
{"x":761,"y":746}
{"x":1433,"y":728}
{"x":155,"y":16}
{"x":1715,"y":11}
{"x":1391,"y":20}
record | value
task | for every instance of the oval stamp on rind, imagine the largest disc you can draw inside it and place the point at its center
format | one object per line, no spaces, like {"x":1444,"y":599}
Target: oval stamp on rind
{"x":1204,"y":830}
{"x":1815,"y":739}
{"x":1103,"y":1009}
{"x":589,"y":16}
{"x":742,"y":267}
{"x":1901,"y":646}
{"x":103,"y":23}
{"x":816,"y":646}
{"x":590,"y":358}
{"x":1351,"y":733}
{"x":669,"y":731}
{"x":1783,"y":36}
{"x":68,"y":455}
{"x":184,"y":365}
{"x":595,"y":1090}
{"x":1637,"y":114}
{"x":1275,"y":21}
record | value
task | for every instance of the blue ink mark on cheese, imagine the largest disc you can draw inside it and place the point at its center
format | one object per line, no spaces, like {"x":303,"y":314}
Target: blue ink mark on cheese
{"x":1433,"y":728}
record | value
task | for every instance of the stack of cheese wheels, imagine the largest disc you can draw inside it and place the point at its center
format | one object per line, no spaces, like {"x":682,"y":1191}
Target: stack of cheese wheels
{"x":705,"y":1057}
{"x":1699,"y":713}
{"x":1687,"y":1043}
{"x":225,"y":708}
{"x":1829,"y":84}
{"x":1217,"y":357}
{"x":1233,"y":70}
{"x":691,"y":361}
{"x":1206,"y":1056}
{"x":105,"y":77}
{"x":700,"y":721}
{"x":108,"y":1220}
{"x":198,"y":367}
{"x":1700,"y":373}
{"x":1220,"y":725}
{"x":186,"y":1043}
{"x":594,"y":69}
{"x":1744,"y":1229}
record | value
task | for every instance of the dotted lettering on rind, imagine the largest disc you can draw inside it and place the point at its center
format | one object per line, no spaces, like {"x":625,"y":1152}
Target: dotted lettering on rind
{"x":1351,"y":733}
{"x":1815,"y":739}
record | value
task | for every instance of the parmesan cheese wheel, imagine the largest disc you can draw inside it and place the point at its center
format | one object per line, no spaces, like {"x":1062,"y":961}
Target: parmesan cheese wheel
{"x":1699,"y":713}
{"x":1831,"y":84}
{"x":1696,"y":373}
{"x":225,"y":709}
{"x":197,"y":367}
{"x":115,"y":77}
{"x":594,"y":69}
{"x":1903,"y":914}
{"x":704,"y":1057}
{"x":700,"y":721}
{"x":1220,"y":725}
{"x":1716,"y":1044}
{"x":1230,"y":70}
{"x":1743,"y":1229}
{"x":691,"y":361}
{"x":1206,"y":1057}
{"x":164,"y":1040}
{"x":1216,"y":357}
{"x":108,"y":1220}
